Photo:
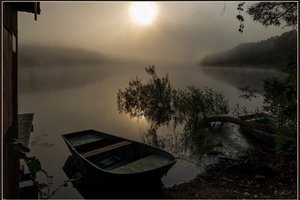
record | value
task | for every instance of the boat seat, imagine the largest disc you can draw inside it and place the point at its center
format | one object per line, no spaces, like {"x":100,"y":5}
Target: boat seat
{"x":149,"y":162}
{"x":106,"y":148}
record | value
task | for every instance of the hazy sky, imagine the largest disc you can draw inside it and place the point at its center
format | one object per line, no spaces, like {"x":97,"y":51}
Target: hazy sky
{"x":181,"y":31}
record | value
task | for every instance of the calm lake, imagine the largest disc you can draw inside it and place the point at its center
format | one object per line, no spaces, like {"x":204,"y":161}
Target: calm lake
{"x":69,"y":99}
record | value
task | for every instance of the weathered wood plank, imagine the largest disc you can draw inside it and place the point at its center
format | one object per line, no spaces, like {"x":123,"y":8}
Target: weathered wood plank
{"x":25,"y":127}
{"x":7,"y":82}
{"x":107,"y":148}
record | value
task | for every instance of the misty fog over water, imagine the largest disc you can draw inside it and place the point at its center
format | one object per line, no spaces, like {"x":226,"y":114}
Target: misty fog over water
{"x":65,"y":100}
{"x":75,"y":57}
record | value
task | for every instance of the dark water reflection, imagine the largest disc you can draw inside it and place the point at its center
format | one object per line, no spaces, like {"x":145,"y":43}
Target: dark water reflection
{"x":93,"y":105}
{"x":116,"y":191}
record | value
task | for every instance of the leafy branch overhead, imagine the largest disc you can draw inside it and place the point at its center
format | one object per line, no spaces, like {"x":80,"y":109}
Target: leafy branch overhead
{"x":270,"y":13}
{"x":240,"y":17}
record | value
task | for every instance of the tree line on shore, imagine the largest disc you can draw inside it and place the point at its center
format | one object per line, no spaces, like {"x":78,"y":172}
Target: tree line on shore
{"x":272,"y":53}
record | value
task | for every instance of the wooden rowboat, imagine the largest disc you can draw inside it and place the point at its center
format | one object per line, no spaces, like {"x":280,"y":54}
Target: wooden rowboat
{"x":258,"y":135}
{"x":102,"y":157}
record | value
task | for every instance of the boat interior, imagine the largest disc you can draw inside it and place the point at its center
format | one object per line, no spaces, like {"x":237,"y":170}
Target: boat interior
{"x":117,"y":155}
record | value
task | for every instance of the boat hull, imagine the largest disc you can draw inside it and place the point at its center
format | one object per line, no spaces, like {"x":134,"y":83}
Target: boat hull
{"x":95,"y":174}
{"x":257,"y":135}
{"x":260,"y":137}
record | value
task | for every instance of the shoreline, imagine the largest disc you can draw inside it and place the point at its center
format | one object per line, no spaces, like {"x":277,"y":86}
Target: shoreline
{"x":259,"y":174}
{"x":253,"y":176}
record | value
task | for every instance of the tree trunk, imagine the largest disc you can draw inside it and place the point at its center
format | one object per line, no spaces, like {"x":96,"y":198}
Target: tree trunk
{"x":258,"y":126}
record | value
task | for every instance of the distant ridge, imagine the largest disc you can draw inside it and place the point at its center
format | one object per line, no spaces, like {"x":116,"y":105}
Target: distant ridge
{"x":272,"y":53}
{"x":42,"y":56}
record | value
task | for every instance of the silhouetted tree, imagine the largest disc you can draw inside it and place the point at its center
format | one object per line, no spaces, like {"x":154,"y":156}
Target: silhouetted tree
{"x":159,"y":103}
{"x":152,"y":101}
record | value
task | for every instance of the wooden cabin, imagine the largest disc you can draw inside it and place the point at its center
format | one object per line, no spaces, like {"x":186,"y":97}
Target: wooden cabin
{"x":10,"y":93}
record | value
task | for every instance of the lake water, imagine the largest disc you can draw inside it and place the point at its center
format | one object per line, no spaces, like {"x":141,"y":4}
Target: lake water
{"x":65,"y":99}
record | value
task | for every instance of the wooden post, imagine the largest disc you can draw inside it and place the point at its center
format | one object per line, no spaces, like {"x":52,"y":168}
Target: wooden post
{"x":10,"y":94}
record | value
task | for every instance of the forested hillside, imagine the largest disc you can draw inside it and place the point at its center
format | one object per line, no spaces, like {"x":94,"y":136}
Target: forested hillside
{"x":272,"y":53}
{"x":43,"y":56}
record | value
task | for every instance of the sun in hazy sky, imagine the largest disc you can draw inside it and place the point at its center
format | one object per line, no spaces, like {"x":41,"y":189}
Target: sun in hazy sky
{"x":143,"y":13}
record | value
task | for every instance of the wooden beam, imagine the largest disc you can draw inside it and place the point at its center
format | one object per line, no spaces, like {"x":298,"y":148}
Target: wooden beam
{"x":25,"y":128}
{"x":106,"y":148}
